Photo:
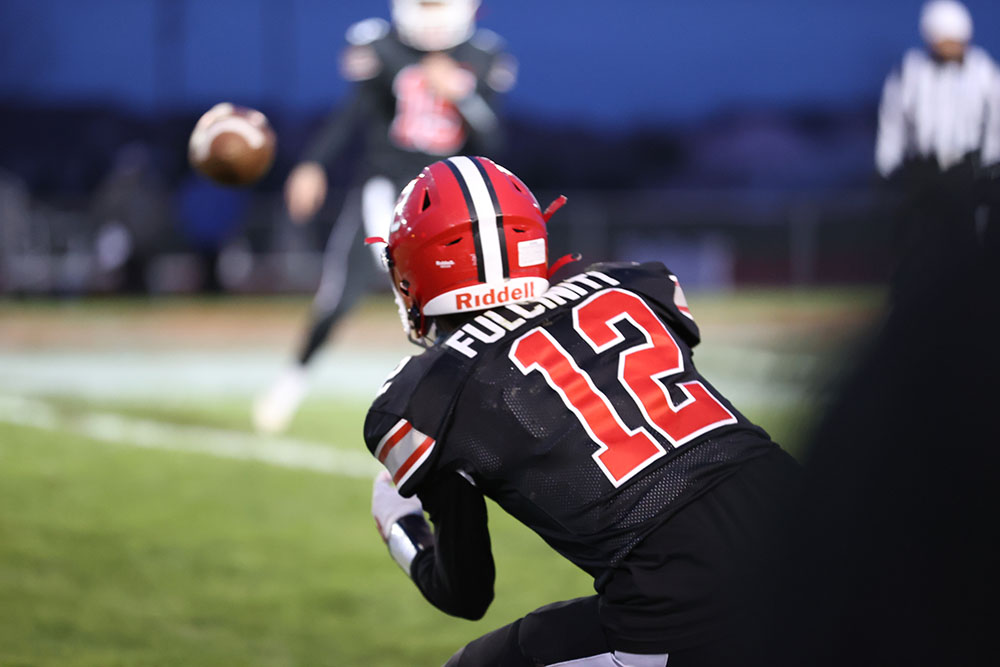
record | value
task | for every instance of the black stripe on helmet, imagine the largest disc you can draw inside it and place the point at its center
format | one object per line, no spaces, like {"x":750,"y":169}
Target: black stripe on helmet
{"x":480,"y":268}
{"x":496,"y":207}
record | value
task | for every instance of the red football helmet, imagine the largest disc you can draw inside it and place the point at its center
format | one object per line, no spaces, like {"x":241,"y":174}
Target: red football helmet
{"x":466,"y":235}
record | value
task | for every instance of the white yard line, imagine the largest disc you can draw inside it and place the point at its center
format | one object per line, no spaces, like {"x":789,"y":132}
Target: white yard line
{"x":745,"y":375}
{"x":223,"y":443}
{"x":157,"y":375}
{"x":748,"y":377}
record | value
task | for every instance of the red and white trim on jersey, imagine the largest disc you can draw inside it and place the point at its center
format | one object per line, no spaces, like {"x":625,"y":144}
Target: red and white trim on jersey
{"x":402,"y":450}
{"x":680,"y":300}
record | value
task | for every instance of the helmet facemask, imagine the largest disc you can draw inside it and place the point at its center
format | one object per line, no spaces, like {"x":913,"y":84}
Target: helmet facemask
{"x":419,"y":330}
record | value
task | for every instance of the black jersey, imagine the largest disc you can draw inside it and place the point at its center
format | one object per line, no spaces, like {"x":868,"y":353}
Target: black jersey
{"x":580,"y":412}
{"x":406,"y":125}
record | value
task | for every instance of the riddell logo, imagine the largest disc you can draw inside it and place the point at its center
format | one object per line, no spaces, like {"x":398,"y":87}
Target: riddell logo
{"x":494,"y":297}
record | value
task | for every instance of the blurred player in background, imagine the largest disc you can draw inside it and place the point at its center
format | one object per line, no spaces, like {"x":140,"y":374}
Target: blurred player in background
{"x":939,"y":135}
{"x":426,"y":86}
{"x":131,"y":211}
{"x":578,"y":410}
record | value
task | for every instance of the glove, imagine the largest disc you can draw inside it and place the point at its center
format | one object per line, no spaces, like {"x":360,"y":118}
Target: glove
{"x":400,"y":522}
{"x":388,"y":507}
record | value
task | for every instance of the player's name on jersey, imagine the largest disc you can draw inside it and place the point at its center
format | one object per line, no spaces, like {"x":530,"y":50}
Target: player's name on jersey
{"x":491,"y":326}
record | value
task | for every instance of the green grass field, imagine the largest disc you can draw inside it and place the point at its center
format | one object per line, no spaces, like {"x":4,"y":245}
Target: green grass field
{"x":111,"y":555}
{"x":143,"y":523}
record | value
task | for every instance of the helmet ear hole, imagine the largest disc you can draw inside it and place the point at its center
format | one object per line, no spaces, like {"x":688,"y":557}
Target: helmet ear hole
{"x":404,"y":287}
{"x":427,"y":201}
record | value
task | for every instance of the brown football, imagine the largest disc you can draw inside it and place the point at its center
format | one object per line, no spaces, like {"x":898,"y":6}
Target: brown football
{"x":232,"y":145}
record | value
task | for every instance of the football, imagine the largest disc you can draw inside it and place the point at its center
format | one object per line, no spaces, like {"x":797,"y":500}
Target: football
{"x":232,"y":145}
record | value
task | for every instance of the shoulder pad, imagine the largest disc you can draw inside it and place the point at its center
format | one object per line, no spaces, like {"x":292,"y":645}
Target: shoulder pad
{"x":406,"y":384}
{"x":914,"y":57}
{"x":487,"y":40}
{"x":503,"y":73}
{"x":367,"y":31}
{"x":973,"y":51}
{"x":360,"y":62}
{"x":659,"y":285}
{"x":980,"y":57}
{"x":409,"y":416}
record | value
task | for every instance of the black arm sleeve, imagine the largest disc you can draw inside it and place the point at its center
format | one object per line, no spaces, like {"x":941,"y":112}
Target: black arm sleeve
{"x":481,"y":114}
{"x":340,"y":128}
{"x":457,"y":574}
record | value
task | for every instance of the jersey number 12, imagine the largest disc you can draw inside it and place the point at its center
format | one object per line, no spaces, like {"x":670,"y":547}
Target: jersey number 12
{"x":642,"y":370}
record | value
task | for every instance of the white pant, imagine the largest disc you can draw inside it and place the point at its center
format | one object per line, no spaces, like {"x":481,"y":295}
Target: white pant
{"x":617,"y":659}
{"x":378,"y":201}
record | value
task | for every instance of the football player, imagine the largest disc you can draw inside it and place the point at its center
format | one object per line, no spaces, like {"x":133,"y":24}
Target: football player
{"x":577,"y":408}
{"x":425,"y":86}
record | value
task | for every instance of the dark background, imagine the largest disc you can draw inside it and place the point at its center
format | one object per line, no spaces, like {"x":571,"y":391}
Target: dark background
{"x":733,"y":140}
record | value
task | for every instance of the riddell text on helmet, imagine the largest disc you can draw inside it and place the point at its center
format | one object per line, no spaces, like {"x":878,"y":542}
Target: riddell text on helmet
{"x":494,"y":297}
{"x":494,"y":324}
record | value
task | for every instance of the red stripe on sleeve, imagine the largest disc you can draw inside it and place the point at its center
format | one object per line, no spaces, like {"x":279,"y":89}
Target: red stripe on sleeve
{"x":393,"y":441}
{"x":414,"y":457}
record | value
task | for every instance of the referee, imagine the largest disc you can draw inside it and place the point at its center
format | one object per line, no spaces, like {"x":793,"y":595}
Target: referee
{"x":939,"y":137}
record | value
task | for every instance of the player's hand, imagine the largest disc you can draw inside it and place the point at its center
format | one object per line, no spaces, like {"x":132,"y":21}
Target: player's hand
{"x":446,"y":77}
{"x":388,"y":506}
{"x":305,"y":191}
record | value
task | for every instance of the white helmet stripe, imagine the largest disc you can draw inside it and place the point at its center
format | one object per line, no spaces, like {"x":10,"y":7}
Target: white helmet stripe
{"x":486,"y":216}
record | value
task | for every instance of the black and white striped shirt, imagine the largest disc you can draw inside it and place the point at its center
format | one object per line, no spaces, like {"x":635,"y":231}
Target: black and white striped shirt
{"x":942,"y":110}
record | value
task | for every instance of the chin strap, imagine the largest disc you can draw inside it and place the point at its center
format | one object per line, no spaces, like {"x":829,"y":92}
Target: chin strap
{"x":563,"y":261}
{"x":551,"y":209}
{"x":384,"y":255}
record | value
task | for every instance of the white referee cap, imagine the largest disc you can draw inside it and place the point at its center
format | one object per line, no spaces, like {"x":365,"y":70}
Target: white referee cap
{"x":945,"y":20}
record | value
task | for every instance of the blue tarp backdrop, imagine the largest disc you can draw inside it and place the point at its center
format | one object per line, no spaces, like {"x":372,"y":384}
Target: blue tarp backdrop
{"x":595,"y":61}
